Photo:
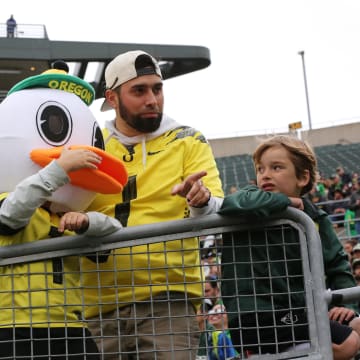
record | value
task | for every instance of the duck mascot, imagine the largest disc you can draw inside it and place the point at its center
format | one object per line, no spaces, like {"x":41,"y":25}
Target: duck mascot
{"x":45,"y":124}
{"x":42,"y":114}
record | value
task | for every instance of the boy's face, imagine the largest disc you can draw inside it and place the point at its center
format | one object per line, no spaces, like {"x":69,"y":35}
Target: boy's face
{"x":276,"y":173}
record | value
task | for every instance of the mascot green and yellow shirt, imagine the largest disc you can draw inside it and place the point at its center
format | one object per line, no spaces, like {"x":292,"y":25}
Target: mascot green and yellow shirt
{"x":43,"y":293}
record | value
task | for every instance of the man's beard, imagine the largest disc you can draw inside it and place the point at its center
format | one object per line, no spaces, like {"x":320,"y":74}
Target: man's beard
{"x":144,"y":125}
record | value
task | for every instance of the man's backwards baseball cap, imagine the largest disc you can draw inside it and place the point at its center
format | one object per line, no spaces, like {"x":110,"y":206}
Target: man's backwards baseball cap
{"x":128,"y":66}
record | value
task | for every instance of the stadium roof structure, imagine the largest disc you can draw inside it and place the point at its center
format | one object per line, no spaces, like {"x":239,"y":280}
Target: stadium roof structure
{"x":31,"y":52}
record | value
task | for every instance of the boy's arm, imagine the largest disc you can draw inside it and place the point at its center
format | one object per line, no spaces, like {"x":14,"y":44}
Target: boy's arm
{"x":90,"y":223}
{"x":33,"y":191}
{"x":253,"y":201}
{"x":29,"y":194}
{"x":101,"y":224}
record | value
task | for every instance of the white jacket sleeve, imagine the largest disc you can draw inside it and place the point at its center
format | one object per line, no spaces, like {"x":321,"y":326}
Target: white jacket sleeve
{"x":101,"y":224}
{"x":18,"y":207}
{"x":212,"y":207}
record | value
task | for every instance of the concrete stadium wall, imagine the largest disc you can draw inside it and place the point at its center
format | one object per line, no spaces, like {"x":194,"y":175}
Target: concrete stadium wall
{"x":342,"y":134}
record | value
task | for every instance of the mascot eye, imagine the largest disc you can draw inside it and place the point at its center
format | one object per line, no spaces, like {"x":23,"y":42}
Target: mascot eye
{"x":98,"y":140}
{"x":54,"y":123}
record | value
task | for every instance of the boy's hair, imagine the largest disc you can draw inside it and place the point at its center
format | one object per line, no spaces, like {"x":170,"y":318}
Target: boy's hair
{"x":300,"y":153}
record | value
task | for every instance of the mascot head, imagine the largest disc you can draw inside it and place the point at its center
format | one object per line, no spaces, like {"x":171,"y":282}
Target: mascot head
{"x":41,"y":115}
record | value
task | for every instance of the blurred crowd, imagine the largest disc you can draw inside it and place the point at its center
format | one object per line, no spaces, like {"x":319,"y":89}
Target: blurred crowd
{"x":339,"y":196}
{"x":215,"y":340}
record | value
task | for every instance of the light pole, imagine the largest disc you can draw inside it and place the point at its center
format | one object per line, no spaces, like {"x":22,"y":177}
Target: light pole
{"x":302,"y":54}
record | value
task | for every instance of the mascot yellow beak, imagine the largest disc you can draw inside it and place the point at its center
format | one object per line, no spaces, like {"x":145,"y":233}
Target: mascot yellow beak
{"x":109,"y":178}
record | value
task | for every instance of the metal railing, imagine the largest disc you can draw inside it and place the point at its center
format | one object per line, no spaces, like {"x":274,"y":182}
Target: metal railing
{"x":17,"y":263}
{"x":33,"y":31}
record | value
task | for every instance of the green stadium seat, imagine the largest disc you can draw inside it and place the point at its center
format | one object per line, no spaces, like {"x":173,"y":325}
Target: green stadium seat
{"x":238,"y":170}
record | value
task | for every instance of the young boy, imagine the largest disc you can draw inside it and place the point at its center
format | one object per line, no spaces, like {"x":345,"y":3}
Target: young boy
{"x":41,"y":301}
{"x":286,"y":170}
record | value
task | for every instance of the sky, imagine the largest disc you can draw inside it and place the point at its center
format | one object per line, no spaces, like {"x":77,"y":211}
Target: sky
{"x":255,"y":83}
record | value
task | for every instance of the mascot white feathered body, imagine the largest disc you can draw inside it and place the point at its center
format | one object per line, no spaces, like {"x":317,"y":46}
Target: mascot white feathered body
{"x":39,"y":116}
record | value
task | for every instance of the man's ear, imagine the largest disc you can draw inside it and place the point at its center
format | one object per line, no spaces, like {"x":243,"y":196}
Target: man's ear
{"x":111,"y":98}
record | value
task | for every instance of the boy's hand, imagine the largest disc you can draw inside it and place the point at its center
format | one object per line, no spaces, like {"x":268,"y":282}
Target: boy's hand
{"x":74,"y":221}
{"x":340,"y":314}
{"x":71,"y":160}
{"x":296,"y":203}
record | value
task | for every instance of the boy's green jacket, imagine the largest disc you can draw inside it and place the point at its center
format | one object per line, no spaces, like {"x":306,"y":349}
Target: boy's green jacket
{"x":265,"y":284}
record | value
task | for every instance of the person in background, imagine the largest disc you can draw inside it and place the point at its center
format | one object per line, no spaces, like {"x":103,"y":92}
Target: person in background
{"x":354,"y":205}
{"x":220,"y":346}
{"x":211,"y":298}
{"x":320,"y":186}
{"x":208,"y":246}
{"x":286,"y":171}
{"x":349,"y":223}
{"x":213,"y":264}
{"x":11,"y":27}
{"x":212,"y":290}
{"x":345,"y":177}
{"x":349,"y":248}
{"x":314,"y":195}
{"x":172,"y":175}
{"x":356,"y":270}
{"x":337,"y":209}
{"x":211,"y":255}
{"x":355,"y":178}
{"x":356,"y":252}
{"x":204,"y":328}
{"x":334,"y":185}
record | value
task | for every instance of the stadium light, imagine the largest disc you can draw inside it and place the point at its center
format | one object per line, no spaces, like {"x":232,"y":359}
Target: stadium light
{"x":302,"y":54}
